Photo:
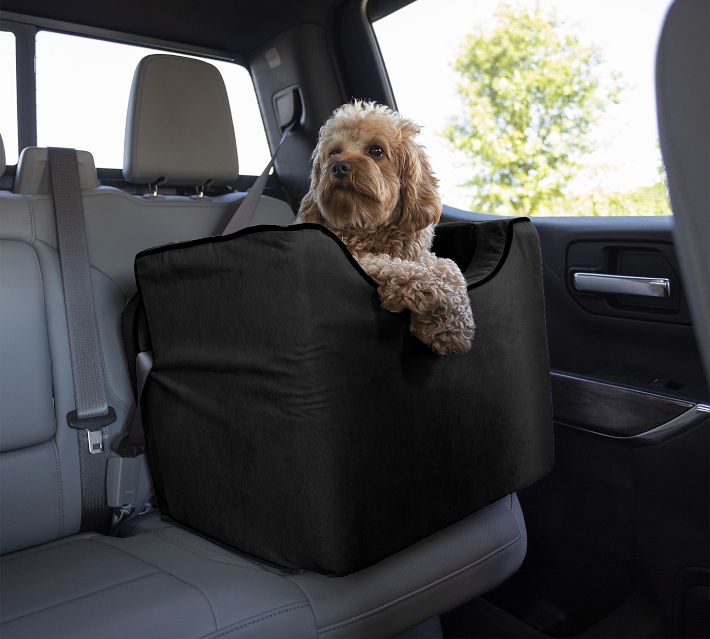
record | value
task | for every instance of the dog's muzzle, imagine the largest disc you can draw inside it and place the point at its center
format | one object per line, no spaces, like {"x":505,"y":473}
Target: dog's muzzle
{"x":341,"y":169}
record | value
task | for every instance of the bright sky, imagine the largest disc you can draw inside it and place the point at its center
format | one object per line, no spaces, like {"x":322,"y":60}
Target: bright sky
{"x":8,"y":114}
{"x":420,"y":41}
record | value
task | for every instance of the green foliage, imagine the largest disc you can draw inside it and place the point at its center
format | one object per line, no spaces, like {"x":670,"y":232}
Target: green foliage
{"x":531,"y":94}
{"x":645,"y":200}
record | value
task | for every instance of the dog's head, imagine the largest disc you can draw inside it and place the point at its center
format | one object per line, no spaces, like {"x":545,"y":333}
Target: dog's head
{"x":368,"y":171}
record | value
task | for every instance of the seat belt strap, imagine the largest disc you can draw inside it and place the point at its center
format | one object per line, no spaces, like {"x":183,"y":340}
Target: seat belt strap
{"x":133,"y":444}
{"x":92,"y":413}
{"x":243,"y":216}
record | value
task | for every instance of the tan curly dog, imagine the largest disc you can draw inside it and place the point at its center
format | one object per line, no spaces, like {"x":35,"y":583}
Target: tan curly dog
{"x":372,"y":185}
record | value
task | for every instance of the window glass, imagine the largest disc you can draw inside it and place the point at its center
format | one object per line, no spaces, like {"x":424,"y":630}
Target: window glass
{"x":533,"y":108}
{"x":8,"y":103}
{"x":83,"y":86}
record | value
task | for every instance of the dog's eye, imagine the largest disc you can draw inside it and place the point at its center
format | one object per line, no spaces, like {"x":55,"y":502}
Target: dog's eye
{"x":375,"y":151}
{"x":334,"y":152}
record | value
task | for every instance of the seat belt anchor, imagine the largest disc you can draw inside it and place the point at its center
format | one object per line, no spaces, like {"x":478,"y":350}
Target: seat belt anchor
{"x":92,"y":426}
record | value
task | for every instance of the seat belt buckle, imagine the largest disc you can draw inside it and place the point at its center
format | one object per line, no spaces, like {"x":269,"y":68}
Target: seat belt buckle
{"x":92,"y":426}
{"x":122,"y":476}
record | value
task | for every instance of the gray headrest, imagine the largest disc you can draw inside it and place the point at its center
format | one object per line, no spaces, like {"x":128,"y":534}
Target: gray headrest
{"x":32,"y":175}
{"x":2,"y":157}
{"x":179,"y":124}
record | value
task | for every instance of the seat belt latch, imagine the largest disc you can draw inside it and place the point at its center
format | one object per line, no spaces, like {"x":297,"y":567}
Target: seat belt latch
{"x":92,"y":426}
{"x":122,"y":476}
{"x":96,"y":441}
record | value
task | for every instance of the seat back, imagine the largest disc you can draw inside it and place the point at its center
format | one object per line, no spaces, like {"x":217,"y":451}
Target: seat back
{"x":40,"y":494}
{"x":40,"y":479}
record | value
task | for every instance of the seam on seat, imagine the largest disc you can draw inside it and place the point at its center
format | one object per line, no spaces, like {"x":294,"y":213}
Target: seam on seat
{"x":51,"y":546}
{"x":274,"y":612}
{"x":113,"y":281}
{"x":313,"y":612}
{"x":49,"y":343}
{"x":168,"y":572}
{"x":89,"y":594}
{"x":383,"y":607}
{"x":109,"y":387}
{"x":204,"y":555}
{"x":59,"y":485}
{"x":31,"y":218}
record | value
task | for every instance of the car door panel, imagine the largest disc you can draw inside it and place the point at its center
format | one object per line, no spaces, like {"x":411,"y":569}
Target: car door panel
{"x":643,"y":342}
{"x":618,"y":531}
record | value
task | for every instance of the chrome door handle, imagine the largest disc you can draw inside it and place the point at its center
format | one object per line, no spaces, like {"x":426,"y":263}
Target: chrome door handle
{"x":622,"y":284}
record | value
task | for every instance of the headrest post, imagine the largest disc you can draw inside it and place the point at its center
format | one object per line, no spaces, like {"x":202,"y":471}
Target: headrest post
{"x":201,"y":188}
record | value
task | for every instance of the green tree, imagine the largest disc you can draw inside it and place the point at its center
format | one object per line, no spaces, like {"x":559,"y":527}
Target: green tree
{"x":530,"y":93}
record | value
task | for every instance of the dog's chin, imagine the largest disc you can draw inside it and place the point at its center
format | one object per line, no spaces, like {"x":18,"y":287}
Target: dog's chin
{"x":344,"y":207}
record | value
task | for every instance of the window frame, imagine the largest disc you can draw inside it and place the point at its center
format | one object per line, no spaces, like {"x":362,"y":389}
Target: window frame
{"x":26,"y":109}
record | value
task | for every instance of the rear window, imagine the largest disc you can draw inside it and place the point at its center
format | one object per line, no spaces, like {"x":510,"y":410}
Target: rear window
{"x":543,"y":108}
{"x":8,"y":104}
{"x":83,"y":86}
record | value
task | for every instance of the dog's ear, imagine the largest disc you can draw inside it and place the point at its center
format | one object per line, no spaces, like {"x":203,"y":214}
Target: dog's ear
{"x":308,"y":211}
{"x":419,"y":200}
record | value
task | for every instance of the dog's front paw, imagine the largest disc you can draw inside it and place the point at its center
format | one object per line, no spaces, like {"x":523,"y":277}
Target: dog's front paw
{"x":444,"y":334}
{"x":398,"y":295}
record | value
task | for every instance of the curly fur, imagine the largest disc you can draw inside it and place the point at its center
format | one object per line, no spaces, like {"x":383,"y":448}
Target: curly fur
{"x":385,"y":211}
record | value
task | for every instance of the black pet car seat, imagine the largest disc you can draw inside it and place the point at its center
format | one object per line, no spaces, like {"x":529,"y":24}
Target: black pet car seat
{"x":289,"y":416}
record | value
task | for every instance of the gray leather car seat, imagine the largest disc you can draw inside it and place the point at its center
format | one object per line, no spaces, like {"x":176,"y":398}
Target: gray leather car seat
{"x":162,"y":580}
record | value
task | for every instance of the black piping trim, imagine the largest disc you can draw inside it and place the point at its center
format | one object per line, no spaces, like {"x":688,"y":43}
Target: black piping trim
{"x":262,"y":228}
{"x":504,"y":254}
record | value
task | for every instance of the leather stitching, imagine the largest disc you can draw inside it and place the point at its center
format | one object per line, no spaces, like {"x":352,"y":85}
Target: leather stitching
{"x":313,"y":612}
{"x":31,"y":218}
{"x":59,"y":486}
{"x":89,"y":594}
{"x":44,"y":548}
{"x":205,"y":555}
{"x":240,"y":626}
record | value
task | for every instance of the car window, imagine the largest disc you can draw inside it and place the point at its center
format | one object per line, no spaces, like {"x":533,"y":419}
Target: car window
{"x":533,"y":109}
{"x":83,"y":86}
{"x":8,"y":104}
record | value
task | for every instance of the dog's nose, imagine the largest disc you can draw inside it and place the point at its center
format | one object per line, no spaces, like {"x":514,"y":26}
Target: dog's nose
{"x":341,"y":169}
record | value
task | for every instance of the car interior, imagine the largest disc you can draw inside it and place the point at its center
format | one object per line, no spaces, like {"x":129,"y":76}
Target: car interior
{"x":614,"y":541}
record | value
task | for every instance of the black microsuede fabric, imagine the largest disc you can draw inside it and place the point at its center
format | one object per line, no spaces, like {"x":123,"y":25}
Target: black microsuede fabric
{"x":290,"y":417}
